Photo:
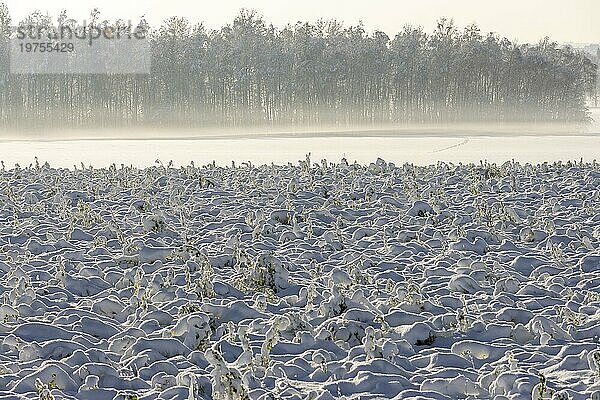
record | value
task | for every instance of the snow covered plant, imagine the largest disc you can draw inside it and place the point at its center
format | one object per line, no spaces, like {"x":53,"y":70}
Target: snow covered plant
{"x":154,"y":223}
{"x":413,"y":295}
{"x":357,"y":274}
{"x":369,"y":342}
{"x":8,"y":314}
{"x":193,"y":330}
{"x":594,"y":362}
{"x":266,"y":274}
{"x":541,"y":391}
{"x":44,"y":390}
{"x":203,"y":277}
{"x":85,"y":215}
{"x":272,"y":337}
{"x":335,"y":305}
{"x":512,"y":361}
{"x":227,"y":380}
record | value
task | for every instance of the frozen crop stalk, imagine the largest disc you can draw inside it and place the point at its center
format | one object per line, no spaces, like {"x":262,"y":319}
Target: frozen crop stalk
{"x":44,"y":390}
{"x":512,"y":361}
{"x":227,"y":381}
{"x":369,"y":343}
{"x":272,"y":337}
{"x":541,"y":390}
{"x":593,"y":359}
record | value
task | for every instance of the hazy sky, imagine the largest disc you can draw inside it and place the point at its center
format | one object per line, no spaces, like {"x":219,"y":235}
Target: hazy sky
{"x":523,"y":20}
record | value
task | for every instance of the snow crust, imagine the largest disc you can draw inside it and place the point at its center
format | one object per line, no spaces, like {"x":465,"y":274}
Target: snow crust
{"x":311,"y":280}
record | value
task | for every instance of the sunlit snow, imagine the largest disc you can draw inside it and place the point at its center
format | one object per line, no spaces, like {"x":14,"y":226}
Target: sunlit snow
{"x":310,"y":280}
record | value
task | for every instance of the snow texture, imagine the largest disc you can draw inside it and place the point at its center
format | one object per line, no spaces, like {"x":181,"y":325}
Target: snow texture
{"x":312,"y":280}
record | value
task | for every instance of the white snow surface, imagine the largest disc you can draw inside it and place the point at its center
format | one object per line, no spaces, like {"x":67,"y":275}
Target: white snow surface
{"x":281,"y":149}
{"x":311,"y":280}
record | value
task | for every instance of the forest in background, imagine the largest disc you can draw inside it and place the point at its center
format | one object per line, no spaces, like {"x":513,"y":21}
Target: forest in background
{"x":250,"y":73}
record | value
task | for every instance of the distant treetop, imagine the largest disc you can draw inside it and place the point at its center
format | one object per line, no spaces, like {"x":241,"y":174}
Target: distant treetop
{"x":250,"y":72}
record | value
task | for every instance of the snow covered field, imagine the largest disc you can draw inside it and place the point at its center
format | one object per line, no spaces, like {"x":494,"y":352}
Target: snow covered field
{"x":308,"y":280}
{"x":421,"y":146}
{"x":280,"y":149}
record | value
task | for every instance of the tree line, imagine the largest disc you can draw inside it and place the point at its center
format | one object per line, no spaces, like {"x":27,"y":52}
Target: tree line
{"x":252,"y":73}
{"x":596,"y":96}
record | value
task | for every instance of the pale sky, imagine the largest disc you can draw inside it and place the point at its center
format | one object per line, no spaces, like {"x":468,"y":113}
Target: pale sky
{"x":576,"y":21}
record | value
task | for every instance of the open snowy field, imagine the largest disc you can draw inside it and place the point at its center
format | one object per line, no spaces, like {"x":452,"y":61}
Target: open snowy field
{"x":421,"y":146}
{"x":279,"y":149}
{"x":311,"y":280}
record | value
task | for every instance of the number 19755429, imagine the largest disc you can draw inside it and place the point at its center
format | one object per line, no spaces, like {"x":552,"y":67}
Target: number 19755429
{"x":41,"y":47}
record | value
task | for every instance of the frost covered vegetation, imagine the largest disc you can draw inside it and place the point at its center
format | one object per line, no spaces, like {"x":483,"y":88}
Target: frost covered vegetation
{"x":306,"y":281}
{"x":250,"y":72}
